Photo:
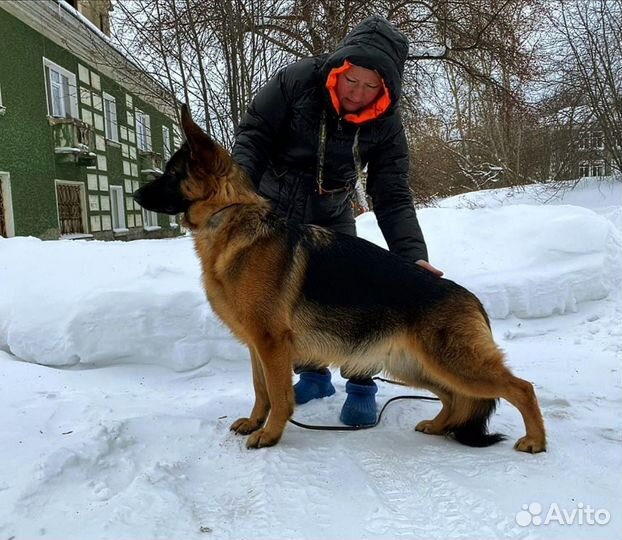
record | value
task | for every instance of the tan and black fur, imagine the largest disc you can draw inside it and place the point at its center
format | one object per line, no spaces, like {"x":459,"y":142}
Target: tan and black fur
{"x":300,"y":293}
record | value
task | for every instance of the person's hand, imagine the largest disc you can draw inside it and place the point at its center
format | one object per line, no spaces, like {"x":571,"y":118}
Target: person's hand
{"x":429,"y":267}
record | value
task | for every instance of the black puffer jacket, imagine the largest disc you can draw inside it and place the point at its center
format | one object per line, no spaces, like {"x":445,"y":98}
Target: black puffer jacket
{"x":278,"y":140}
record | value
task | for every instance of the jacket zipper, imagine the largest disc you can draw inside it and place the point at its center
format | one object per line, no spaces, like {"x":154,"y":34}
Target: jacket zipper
{"x":339,"y":124}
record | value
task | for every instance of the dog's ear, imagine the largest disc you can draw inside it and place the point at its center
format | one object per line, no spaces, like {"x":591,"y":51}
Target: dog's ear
{"x":211,"y":155}
{"x":196,"y":137}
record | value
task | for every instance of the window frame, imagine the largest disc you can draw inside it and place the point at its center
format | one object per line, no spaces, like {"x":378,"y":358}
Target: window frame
{"x":598,"y":168}
{"x":70,"y":99}
{"x":7,"y":199}
{"x":150,"y":220}
{"x":117,"y":202}
{"x":140,"y":134}
{"x":598,"y":140}
{"x":111,"y":125}
{"x":84,"y":213}
{"x":167,"y":147}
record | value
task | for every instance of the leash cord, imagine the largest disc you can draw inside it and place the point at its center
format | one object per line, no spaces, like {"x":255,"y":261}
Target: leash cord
{"x":358,"y":428}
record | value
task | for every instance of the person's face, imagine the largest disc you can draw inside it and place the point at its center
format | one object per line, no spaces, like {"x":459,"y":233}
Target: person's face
{"x":357,"y":88}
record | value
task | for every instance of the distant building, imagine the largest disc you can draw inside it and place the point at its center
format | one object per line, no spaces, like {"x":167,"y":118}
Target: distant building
{"x":80,"y":126}
{"x":579,"y":145}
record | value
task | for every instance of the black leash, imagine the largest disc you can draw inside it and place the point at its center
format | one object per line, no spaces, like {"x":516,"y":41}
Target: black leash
{"x":357,"y":428}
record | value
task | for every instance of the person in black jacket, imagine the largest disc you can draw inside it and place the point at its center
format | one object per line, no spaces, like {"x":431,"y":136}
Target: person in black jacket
{"x":304,"y":141}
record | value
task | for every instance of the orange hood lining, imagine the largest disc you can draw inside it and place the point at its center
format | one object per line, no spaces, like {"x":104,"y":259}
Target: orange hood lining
{"x":371,"y":112}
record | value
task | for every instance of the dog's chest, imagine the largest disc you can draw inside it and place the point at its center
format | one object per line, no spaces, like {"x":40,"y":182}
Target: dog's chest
{"x":226,"y":305}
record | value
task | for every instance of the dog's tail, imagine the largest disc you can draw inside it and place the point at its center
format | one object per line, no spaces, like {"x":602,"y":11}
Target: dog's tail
{"x":473,"y":431}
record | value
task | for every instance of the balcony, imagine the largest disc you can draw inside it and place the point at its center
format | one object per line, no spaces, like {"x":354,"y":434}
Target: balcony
{"x":74,"y":141}
{"x":150,"y":164}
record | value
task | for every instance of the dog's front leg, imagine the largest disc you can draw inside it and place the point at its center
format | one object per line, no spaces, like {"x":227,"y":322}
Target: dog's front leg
{"x":275,"y":357}
{"x":260,"y":411}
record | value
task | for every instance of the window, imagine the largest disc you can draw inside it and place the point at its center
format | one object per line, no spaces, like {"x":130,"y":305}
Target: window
{"x":143,"y":131}
{"x":61,"y":91}
{"x":150,"y":219}
{"x":71,"y":206}
{"x":7,"y":227}
{"x":598,"y":141}
{"x":598,"y":168}
{"x":166,"y":143}
{"x":584,"y":169}
{"x":117,"y":208}
{"x":110,"y":118}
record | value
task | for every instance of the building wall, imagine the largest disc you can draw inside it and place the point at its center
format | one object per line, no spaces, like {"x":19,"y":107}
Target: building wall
{"x":27,"y":146}
{"x":25,"y":136}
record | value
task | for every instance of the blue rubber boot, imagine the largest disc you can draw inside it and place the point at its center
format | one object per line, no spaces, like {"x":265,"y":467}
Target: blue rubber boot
{"x":360,"y":406}
{"x":313,"y":385}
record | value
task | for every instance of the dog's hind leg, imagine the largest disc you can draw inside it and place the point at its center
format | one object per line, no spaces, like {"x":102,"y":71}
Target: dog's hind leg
{"x":521,"y":394}
{"x":471,"y":364}
{"x":261,"y":408}
{"x":466,"y":417}
{"x":439,"y":424}
{"x":275,"y":356}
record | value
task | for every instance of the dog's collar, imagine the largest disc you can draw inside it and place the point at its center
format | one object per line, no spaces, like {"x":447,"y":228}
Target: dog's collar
{"x":213,"y":221}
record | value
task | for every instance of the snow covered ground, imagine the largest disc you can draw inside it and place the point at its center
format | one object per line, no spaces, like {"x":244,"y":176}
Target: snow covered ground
{"x":117,"y":387}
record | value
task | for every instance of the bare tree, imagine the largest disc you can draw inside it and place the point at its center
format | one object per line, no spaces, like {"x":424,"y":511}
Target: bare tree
{"x":590,"y":67}
{"x":468,"y":89}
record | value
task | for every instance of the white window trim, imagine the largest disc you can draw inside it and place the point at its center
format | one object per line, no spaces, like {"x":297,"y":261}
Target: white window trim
{"x":146,"y":124}
{"x":598,"y":140}
{"x":85,"y":221}
{"x":73,"y":94}
{"x":167,"y":148}
{"x":111,"y":134}
{"x":150,"y":220}
{"x":5,"y":186}
{"x":2,"y":107}
{"x":600,"y":164}
{"x":121,"y":225}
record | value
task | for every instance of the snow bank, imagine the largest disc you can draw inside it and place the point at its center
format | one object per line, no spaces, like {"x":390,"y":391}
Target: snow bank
{"x":590,"y":193}
{"x":65,"y":303}
{"x":529,"y":261}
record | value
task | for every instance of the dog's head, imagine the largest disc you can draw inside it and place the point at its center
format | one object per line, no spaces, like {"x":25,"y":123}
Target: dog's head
{"x":194,"y":173}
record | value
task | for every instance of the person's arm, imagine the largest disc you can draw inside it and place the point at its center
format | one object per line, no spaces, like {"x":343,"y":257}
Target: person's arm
{"x":261,"y":125}
{"x":387,"y":185}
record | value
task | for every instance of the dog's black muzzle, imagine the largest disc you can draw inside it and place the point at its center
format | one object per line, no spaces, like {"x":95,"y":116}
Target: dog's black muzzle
{"x":162,"y":197}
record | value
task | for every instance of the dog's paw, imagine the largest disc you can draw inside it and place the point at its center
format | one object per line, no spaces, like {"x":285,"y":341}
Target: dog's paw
{"x":244,"y":426}
{"x":532,"y":445}
{"x":262,"y":438}
{"x":429,"y":427}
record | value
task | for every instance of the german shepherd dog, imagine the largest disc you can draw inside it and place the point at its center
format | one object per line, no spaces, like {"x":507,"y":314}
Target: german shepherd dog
{"x":303,"y":295}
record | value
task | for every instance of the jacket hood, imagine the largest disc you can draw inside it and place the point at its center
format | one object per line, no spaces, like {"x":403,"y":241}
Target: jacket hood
{"x":374,"y":44}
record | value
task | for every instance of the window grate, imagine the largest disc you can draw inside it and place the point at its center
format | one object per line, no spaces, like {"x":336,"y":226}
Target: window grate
{"x":70,"y":209}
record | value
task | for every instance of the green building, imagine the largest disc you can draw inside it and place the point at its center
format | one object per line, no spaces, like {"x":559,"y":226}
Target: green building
{"x":81,"y":127}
